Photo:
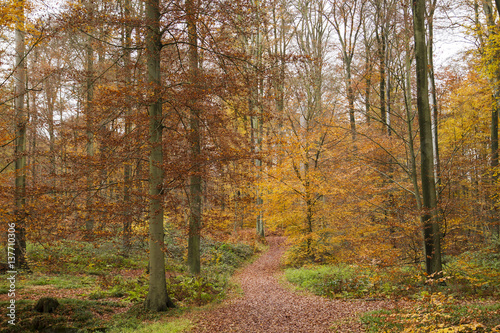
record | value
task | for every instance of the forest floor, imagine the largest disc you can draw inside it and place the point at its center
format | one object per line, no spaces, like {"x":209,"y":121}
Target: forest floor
{"x":269,"y":304}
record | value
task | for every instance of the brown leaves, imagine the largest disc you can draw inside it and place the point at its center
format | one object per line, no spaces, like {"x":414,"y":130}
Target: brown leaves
{"x":269,"y":306}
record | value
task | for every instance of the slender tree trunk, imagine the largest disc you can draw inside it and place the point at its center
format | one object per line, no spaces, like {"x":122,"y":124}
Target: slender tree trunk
{"x":51,"y":96}
{"x":409,"y":113}
{"x":157,"y":298}
{"x":89,"y":222}
{"x":389,"y":98}
{"x":20,"y":144}
{"x":432,"y":235}
{"x":368,"y":74}
{"x":195,"y":188}
{"x":383,"y":114}
{"x":494,"y":161}
{"x":34,"y":125}
{"x":350,"y":97}
{"x":256,"y":120}
{"x":430,"y":53}
{"x":368,"y":81}
{"x":127,"y":170}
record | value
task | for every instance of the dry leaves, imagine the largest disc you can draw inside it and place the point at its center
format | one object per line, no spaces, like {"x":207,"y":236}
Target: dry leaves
{"x":267,"y":306}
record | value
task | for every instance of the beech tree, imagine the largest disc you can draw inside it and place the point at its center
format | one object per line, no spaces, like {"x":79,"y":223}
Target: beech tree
{"x":21,"y":119}
{"x":432,"y":234}
{"x":157,"y":298}
{"x":195,"y":188}
{"x":490,"y":52}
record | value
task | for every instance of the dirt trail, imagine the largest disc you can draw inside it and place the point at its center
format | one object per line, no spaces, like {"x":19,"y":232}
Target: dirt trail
{"x":269,"y":307}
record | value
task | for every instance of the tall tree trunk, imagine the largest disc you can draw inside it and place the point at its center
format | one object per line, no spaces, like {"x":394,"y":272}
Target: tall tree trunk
{"x":368,"y":83}
{"x":157,"y":298}
{"x":89,"y":222}
{"x":195,"y":188}
{"x":350,"y":97}
{"x":34,"y":117}
{"x":256,"y":119}
{"x":127,"y":170}
{"x":495,"y":82}
{"x":20,"y":146}
{"x":432,"y":235}
{"x":389,"y":97}
{"x":434,"y":112}
{"x":383,"y":113}
{"x":51,"y":96}
{"x":409,"y":113}
{"x":368,"y":73}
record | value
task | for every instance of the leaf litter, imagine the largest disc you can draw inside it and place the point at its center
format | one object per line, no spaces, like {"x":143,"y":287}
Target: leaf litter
{"x":268,"y":306}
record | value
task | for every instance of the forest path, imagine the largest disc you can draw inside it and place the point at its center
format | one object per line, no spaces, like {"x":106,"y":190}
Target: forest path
{"x":268,"y":306}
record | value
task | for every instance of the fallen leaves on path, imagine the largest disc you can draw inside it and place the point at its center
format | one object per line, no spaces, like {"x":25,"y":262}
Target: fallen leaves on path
{"x":267,"y":306}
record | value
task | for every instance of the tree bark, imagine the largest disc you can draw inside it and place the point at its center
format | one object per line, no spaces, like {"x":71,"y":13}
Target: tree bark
{"x":430,"y":46}
{"x":157,"y":298}
{"x":495,"y":82}
{"x":20,"y":143}
{"x":195,"y":188}
{"x":381,"y":54}
{"x":409,"y":113}
{"x":257,"y":119}
{"x":350,"y":99}
{"x":368,"y":74}
{"x":432,"y":235}
{"x":127,"y":219}
{"x":89,"y":222}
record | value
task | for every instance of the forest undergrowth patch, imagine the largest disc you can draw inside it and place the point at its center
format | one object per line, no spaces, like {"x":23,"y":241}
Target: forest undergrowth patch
{"x":464,"y":299}
{"x":99,"y":289}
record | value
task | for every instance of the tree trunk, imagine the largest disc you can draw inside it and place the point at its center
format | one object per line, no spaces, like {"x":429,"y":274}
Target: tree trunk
{"x":127,"y":219}
{"x":350,"y":97}
{"x":51,"y":96}
{"x":368,"y":74}
{"x":409,"y":113}
{"x":157,"y":298}
{"x":389,"y":98}
{"x":432,"y":236}
{"x":256,"y":119}
{"x":495,"y":82}
{"x":195,"y":188}
{"x":383,"y":115}
{"x":89,"y":222}
{"x":430,"y":46}
{"x":20,"y":146}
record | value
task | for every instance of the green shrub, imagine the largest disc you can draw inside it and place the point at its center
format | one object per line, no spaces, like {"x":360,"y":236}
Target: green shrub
{"x":333,"y":281}
{"x":348,"y":281}
{"x":475,"y":273}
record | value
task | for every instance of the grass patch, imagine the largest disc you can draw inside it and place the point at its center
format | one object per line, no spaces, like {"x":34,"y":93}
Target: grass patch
{"x":346,"y":281}
{"x":175,"y":326}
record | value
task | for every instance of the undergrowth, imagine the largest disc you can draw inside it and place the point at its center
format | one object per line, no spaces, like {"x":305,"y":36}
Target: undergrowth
{"x":464,"y":299}
{"x":107,"y":280}
{"x":471,"y":274}
{"x":435,"y":312}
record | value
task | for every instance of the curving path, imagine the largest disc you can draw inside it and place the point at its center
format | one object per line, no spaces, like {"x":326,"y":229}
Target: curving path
{"x":267,"y":306}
